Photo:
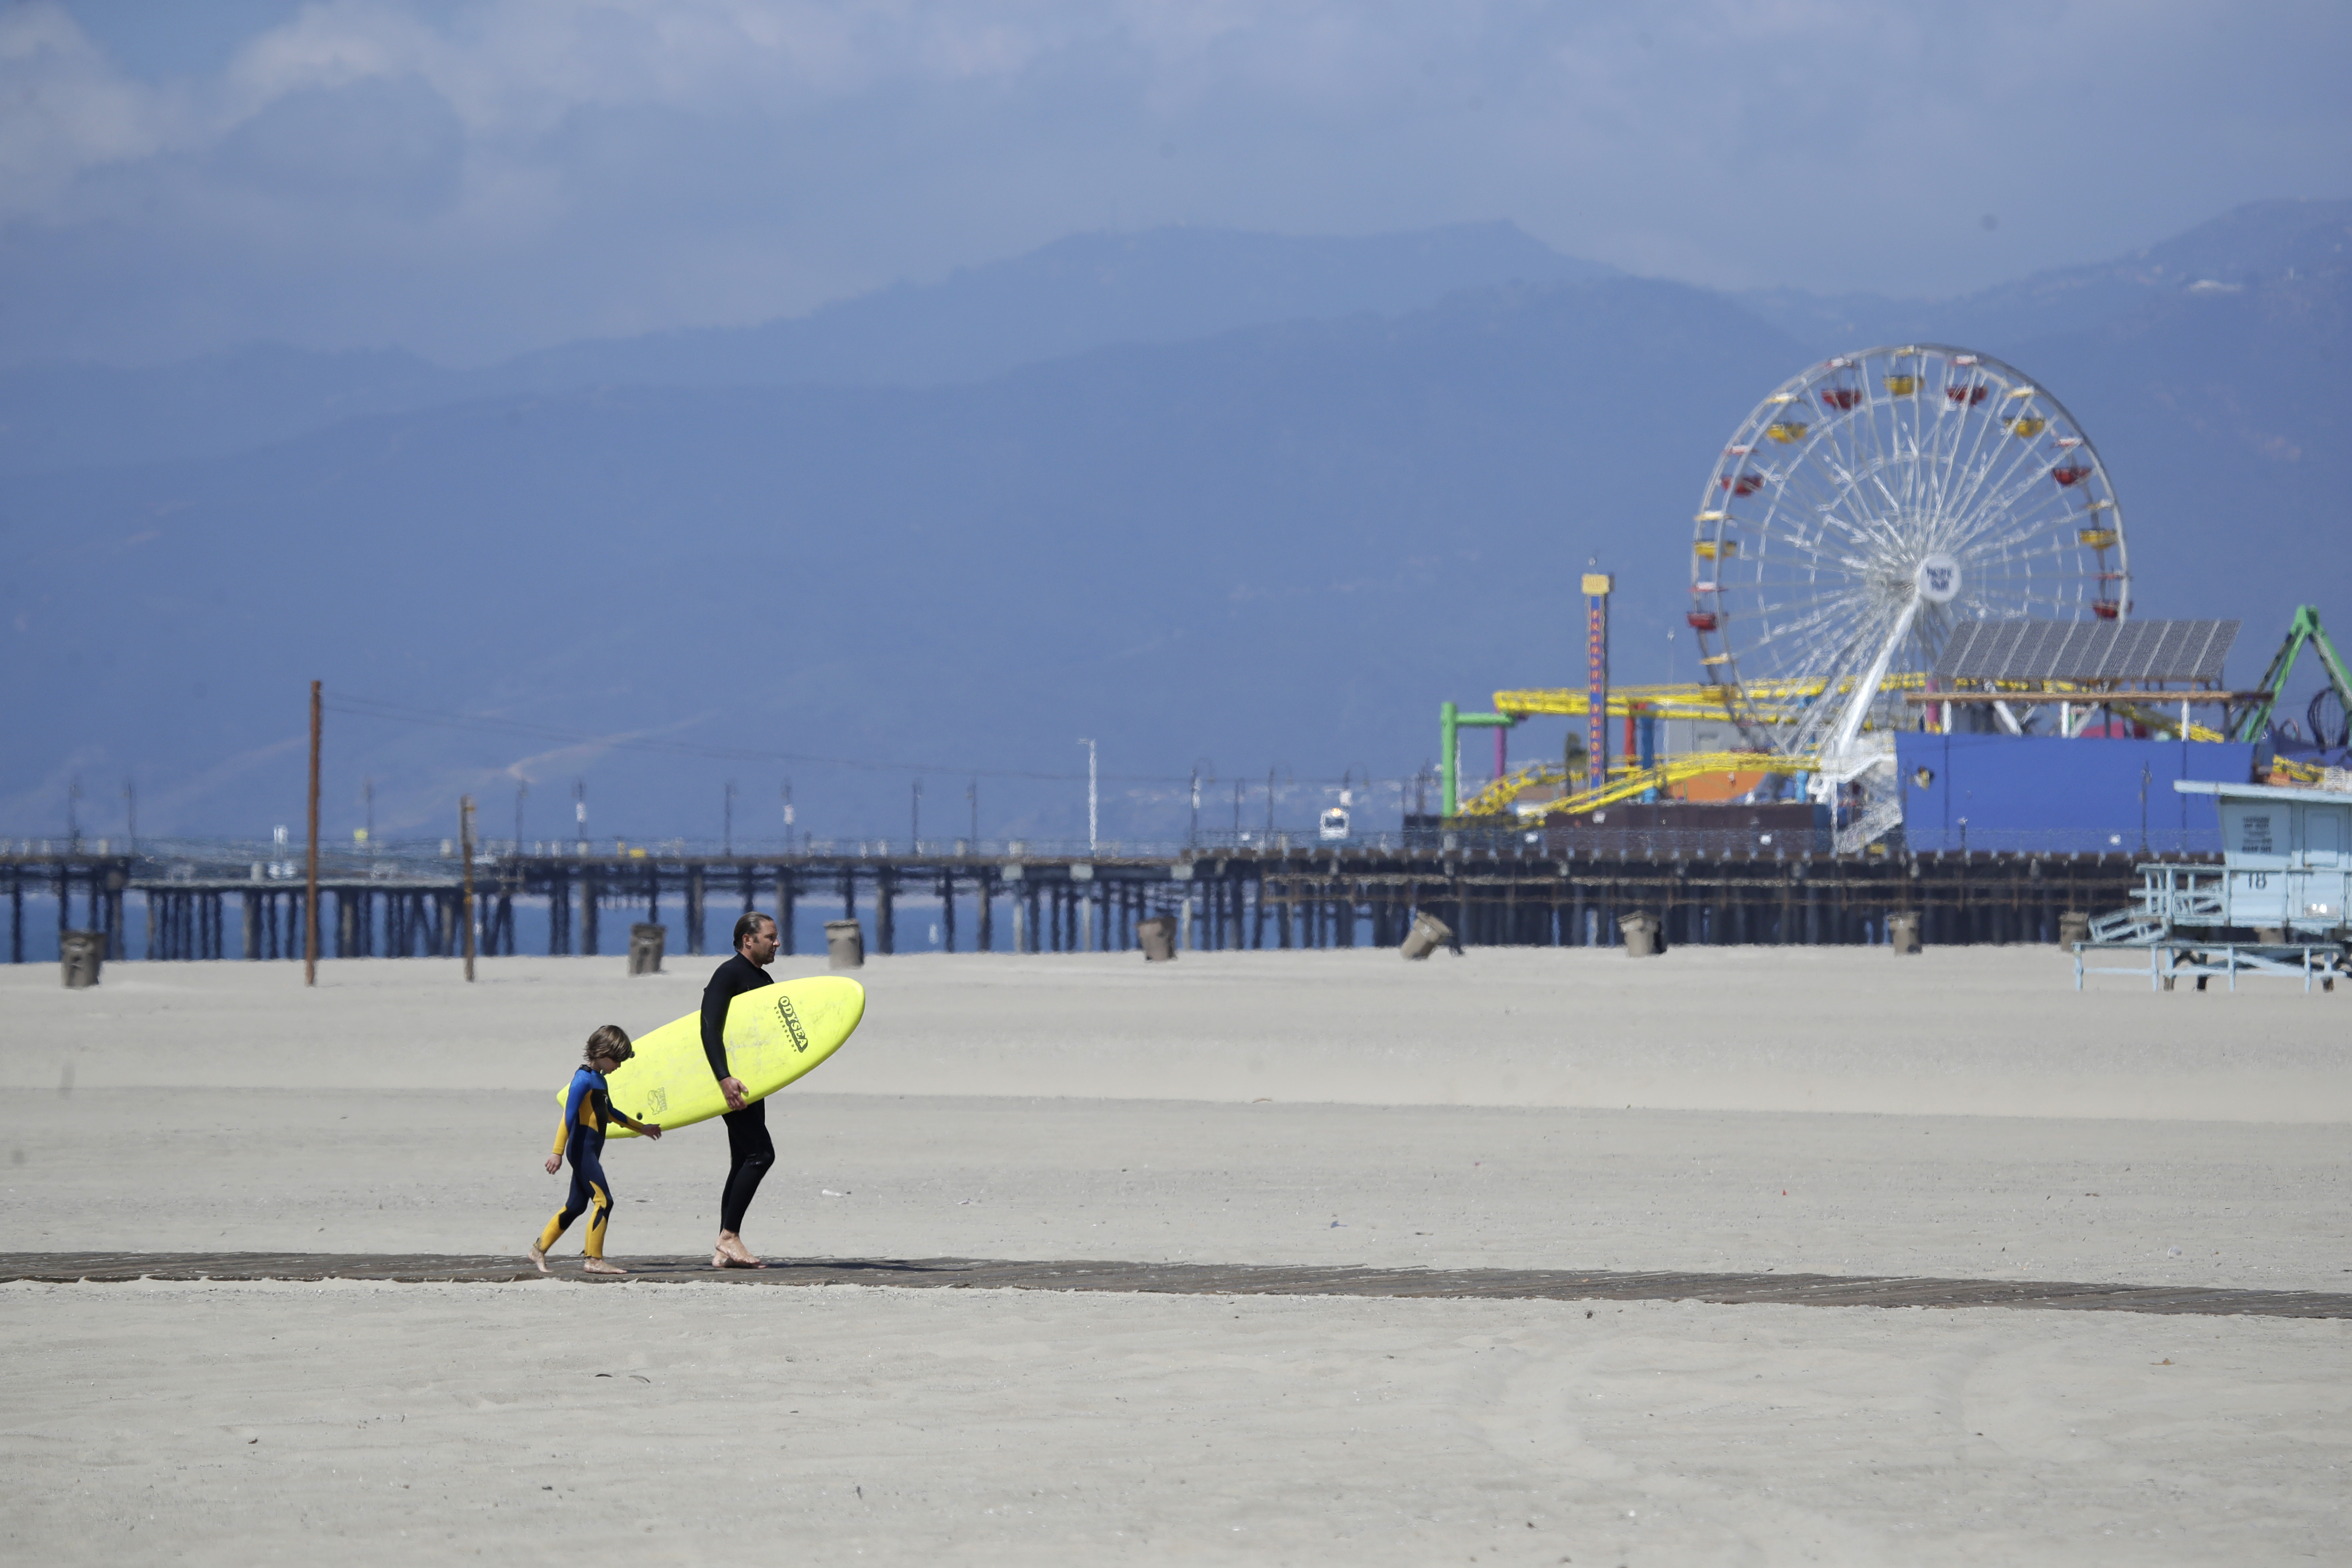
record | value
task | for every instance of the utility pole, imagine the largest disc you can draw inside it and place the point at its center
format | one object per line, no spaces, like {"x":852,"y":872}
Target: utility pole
{"x":1237,"y":809}
{"x":727,"y":827}
{"x":521,"y":790}
{"x":73,"y":811}
{"x":1269,"y":801}
{"x":311,"y":878}
{"x":1194,"y":837}
{"x":1668,"y":726}
{"x":466,"y":850}
{"x":131,"y":811}
{"x":971,"y":798}
{"x":580,"y":810}
{"x":2143,"y":816}
{"x":915,"y":820}
{"x":367,"y":793}
{"x":1091,"y":824}
{"x":788,"y":816}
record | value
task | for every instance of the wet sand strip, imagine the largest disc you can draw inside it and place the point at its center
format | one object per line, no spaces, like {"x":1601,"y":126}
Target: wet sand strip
{"x":1207,"y":1279}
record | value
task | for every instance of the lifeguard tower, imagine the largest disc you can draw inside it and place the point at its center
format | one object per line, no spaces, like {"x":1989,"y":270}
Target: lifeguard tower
{"x":2285,"y":875}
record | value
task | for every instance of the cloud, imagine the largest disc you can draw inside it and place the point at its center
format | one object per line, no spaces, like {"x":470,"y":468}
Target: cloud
{"x":471,"y":179}
{"x":63,"y":111}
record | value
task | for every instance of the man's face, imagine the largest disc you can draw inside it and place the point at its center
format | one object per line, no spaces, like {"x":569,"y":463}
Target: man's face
{"x":760,"y":947}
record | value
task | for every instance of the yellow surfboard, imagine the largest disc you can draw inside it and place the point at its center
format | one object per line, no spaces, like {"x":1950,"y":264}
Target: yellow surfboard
{"x":774,"y":1035}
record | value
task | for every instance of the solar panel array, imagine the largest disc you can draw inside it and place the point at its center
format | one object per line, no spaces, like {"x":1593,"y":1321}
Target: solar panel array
{"x":2134,"y":651}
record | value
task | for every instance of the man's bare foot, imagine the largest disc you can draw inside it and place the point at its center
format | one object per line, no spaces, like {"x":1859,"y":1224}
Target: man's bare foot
{"x":730,"y":1246}
{"x":538,"y":1258}
{"x":602,"y":1266}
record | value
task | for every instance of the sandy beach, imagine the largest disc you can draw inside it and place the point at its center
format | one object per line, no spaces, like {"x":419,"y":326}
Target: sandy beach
{"x":1963,"y":1114}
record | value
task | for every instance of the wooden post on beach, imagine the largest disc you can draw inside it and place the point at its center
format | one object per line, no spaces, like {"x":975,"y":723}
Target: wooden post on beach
{"x":466,"y":849}
{"x":310,"y":878}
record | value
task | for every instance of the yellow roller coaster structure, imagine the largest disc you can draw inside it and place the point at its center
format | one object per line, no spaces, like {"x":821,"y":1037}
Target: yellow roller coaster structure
{"x":1771,"y":703}
{"x":1775,"y":702}
{"x":1626,"y":780}
{"x":1778,"y":702}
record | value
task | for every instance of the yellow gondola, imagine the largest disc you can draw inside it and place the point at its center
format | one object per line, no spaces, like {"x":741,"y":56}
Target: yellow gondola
{"x":1787,"y":431}
{"x":2026,"y":426}
{"x":1902,"y":386}
{"x":1713,"y":549}
{"x":2097,"y":538}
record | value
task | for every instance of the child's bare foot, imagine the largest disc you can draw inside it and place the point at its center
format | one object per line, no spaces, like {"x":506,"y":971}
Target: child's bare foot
{"x":602,"y":1266}
{"x":538,"y":1258}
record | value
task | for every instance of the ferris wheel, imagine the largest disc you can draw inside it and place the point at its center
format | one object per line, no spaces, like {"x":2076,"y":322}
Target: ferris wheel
{"x":1868,"y":506}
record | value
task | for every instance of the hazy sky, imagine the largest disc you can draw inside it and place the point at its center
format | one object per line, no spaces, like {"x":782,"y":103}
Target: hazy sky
{"x":466,"y":178}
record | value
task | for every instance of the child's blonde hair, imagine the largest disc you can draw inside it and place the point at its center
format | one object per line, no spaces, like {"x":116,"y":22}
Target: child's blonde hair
{"x":611,"y":1042}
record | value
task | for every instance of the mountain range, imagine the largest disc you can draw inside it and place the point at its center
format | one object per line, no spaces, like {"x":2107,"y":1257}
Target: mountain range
{"x":1229,"y":504}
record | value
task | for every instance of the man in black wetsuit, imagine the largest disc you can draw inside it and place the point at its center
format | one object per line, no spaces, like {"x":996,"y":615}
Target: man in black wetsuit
{"x":749,"y":1148}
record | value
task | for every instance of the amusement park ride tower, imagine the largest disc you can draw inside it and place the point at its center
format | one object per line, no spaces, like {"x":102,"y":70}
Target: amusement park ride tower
{"x":1596,"y":660}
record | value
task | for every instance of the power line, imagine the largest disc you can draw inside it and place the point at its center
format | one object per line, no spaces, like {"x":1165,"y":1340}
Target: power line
{"x":403,"y":713}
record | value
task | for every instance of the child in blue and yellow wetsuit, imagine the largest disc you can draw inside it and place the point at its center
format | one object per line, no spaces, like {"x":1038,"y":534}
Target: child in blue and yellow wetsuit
{"x":587,"y":1111}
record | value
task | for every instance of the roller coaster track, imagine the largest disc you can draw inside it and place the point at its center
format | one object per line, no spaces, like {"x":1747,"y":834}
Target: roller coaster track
{"x":1773,"y":702}
{"x":1624,"y":782}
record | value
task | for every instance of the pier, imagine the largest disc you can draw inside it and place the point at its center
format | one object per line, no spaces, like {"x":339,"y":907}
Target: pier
{"x":1491,"y":887}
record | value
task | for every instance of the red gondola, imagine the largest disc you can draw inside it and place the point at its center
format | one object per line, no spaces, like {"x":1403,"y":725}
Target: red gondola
{"x":2072,"y":474}
{"x":1969,"y":395}
{"x":1839,"y":397}
{"x":1702,"y":620}
{"x":2106,"y":611}
{"x":1743,"y":484}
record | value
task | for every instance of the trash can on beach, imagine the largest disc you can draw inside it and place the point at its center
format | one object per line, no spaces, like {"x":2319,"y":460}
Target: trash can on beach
{"x":646,"y":944}
{"x":2073,"y":926}
{"x":1903,"y":930}
{"x":1640,"y":931}
{"x":80,"y":954}
{"x":845,"y":944}
{"x":1428,"y":934}
{"x":1157,"y":937}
